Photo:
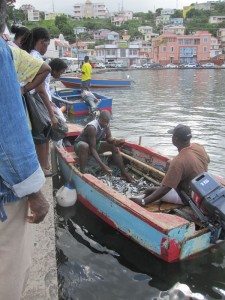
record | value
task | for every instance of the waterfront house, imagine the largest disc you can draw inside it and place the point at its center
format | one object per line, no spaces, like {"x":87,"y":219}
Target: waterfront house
{"x":221,"y":38}
{"x":181,"y":49}
{"x":215,"y":47}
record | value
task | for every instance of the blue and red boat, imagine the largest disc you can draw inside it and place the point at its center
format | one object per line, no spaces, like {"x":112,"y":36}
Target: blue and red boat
{"x":72,"y":99}
{"x":75,"y":82}
{"x":169,"y":231}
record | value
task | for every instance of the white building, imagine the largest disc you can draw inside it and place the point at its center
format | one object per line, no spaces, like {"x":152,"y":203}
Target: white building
{"x":80,"y":29}
{"x":33,"y":15}
{"x":216,"y":19}
{"x":145,"y":29}
{"x":167,"y":11}
{"x":51,"y":15}
{"x":163,"y":19}
{"x":89,"y":10}
{"x":124,"y":52}
{"x":215,"y":47}
{"x":119,"y":18}
{"x":179,"y":30}
{"x":221,"y":38}
{"x":209,"y":5}
{"x":58,"y":47}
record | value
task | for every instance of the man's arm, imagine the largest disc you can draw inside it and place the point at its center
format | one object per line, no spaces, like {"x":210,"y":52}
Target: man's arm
{"x":43,"y":72}
{"x":157,"y":194}
{"x":92,"y":144}
{"x":112,"y":140}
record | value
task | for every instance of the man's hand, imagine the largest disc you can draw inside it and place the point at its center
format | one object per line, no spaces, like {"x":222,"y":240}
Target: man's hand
{"x":39,"y":207}
{"x":107,"y":169}
{"x":54,"y":120}
{"x":118,"y":142}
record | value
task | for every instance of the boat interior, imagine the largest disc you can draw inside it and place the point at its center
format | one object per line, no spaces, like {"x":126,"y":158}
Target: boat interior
{"x":144,"y":174}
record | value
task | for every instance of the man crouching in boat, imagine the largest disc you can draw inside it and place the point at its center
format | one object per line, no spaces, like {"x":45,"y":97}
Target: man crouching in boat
{"x":191,"y":161}
{"x":90,"y":99}
{"x":91,"y":141}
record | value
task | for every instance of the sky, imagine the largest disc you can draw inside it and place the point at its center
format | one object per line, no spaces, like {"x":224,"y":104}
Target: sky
{"x":66,"y":6}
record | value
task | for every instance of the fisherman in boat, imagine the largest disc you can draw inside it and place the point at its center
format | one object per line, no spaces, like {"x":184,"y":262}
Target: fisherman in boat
{"x":96,"y":138}
{"x":90,"y":99}
{"x":191,"y":161}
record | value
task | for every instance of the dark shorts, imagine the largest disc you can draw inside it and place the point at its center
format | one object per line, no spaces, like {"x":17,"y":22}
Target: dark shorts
{"x":76,"y":146}
{"x":41,"y":138}
{"x":86,"y":84}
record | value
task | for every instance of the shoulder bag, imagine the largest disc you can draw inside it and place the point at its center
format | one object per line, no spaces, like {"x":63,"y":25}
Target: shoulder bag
{"x":38,"y":113}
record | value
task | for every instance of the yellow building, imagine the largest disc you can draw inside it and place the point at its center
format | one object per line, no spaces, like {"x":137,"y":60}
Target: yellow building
{"x":89,"y":10}
{"x":186,"y":9}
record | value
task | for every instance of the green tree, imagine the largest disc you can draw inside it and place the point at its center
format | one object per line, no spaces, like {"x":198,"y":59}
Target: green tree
{"x":177,"y":14}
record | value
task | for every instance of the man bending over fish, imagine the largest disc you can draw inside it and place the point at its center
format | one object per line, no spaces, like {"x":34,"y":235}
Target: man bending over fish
{"x":96,"y":138}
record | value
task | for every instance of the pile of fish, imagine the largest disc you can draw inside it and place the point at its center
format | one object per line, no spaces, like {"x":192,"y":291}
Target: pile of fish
{"x":123,"y":187}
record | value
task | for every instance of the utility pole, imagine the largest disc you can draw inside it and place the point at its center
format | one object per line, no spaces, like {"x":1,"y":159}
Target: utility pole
{"x":53,"y":8}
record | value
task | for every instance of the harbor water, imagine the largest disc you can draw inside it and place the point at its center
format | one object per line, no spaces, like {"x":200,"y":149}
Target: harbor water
{"x":97,"y":262}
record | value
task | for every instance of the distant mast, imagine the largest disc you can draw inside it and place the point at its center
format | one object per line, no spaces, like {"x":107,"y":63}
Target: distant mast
{"x":53,"y":7}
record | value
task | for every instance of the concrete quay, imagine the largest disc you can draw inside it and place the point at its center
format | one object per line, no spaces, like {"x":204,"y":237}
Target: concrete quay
{"x":42,"y":283}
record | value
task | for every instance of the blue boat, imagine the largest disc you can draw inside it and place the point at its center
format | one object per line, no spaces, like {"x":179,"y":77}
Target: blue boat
{"x":71,"y":98}
{"x":75,"y":82}
{"x":161,"y":228}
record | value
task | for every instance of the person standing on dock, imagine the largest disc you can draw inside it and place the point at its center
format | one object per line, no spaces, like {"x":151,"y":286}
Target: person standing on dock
{"x":21,"y":179}
{"x":86,"y":74}
{"x":191,"y":161}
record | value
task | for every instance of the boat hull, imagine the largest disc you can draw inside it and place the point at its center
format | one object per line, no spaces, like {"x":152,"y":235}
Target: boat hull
{"x":169,"y":237}
{"x":75,"y":82}
{"x":79,"y":107}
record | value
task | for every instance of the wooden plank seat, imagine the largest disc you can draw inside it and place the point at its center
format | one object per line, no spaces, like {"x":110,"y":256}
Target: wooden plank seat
{"x":160,"y":206}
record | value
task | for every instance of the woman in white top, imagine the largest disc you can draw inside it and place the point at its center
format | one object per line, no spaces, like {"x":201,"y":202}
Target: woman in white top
{"x":36,"y":43}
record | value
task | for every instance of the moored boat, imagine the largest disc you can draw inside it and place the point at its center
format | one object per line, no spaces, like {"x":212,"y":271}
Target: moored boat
{"x":72,"y":99}
{"x":169,"y":231}
{"x":75,"y":82}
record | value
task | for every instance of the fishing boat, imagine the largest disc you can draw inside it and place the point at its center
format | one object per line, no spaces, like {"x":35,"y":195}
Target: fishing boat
{"x":71,"y":98}
{"x":172,"y":232}
{"x":75,"y":82}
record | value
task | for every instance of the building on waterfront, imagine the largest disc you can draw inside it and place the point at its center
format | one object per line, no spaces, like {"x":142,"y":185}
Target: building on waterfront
{"x":179,"y":49}
{"x":120,"y":52}
{"x":215,"y":47}
{"x":89,"y":10}
{"x":221,"y":38}
{"x":216,"y":19}
{"x":51,"y":15}
{"x":174,"y":29}
{"x":119,"y":18}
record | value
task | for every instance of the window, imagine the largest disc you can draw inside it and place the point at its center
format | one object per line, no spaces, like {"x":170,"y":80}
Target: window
{"x":205,"y":49}
{"x":132,"y":52}
{"x":170,"y":40}
{"x":205,"y":40}
{"x":122,"y":52}
{"x":171,"y":49}
{"x":164,"y":49}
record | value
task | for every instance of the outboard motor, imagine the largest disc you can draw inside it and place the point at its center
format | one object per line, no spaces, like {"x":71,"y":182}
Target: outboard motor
{"x":208,"y":203}
{"x":212,"y":197}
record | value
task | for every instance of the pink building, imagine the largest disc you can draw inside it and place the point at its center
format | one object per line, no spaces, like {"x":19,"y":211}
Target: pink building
{"x":179,"y":49}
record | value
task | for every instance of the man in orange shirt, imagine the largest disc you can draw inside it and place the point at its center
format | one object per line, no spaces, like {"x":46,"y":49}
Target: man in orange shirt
{"x":191,"y":161}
